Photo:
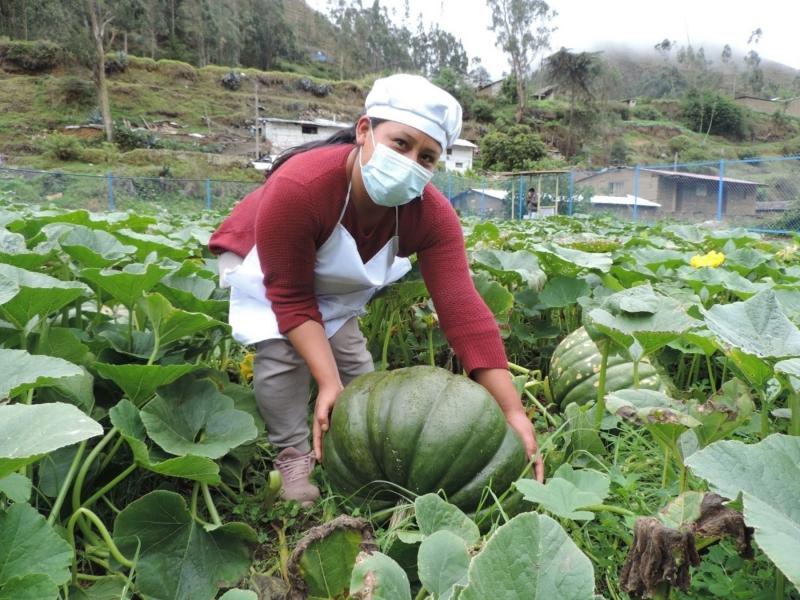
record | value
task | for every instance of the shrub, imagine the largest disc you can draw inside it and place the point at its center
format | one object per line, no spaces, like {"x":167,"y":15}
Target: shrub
{"x":63,"y":147}
{"x":513,"y":149}
{"x":619,"y":152}
{"x":679,"y":143}
{"x":31,"y":57}
{"x":130,"y":139}
{"x":142,"y":62}
{"x":116,"y":63}
{"x":647,"y":112}
{"x":76,"y":91}
{"x":482,"y":111}
{"x":231,"y":81}
{"x":711,"y":111}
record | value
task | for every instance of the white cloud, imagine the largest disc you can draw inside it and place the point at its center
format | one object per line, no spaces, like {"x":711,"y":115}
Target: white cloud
{"x":586,"y":25}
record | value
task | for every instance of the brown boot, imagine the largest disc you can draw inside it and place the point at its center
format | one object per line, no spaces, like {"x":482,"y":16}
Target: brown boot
{"x":295,"y":469}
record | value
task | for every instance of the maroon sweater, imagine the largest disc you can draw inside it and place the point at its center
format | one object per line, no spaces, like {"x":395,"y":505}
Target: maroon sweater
{"x":295,"y":211}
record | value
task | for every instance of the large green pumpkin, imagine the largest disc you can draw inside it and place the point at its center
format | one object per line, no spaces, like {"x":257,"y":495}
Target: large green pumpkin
{"x":575,"y":371}
{"x":422,"y":429}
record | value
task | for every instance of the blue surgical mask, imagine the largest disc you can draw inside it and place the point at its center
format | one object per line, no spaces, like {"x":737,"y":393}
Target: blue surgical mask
{"x":390,"y":178}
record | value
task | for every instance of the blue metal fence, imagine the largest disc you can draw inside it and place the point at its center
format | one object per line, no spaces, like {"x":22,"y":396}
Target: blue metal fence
{"x":758,"y":193}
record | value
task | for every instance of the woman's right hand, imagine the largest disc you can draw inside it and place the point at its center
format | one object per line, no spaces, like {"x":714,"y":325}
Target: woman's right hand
{"x":326,"y":398}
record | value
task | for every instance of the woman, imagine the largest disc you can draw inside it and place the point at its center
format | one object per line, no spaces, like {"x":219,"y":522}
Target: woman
{"x":335,"y":222}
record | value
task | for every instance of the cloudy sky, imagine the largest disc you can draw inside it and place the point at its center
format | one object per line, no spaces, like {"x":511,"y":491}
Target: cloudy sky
{"x":587,"y":24}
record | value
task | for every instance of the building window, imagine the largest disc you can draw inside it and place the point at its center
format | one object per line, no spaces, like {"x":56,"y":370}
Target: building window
{"x":701,"y":190}
{"x":459,"y":165}
{"x":449,"y":152}
{"x":312,"y":129}
{"x":616,"y":187}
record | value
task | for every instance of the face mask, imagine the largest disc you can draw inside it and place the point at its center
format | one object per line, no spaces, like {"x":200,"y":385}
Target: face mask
{"x":390,"y":178}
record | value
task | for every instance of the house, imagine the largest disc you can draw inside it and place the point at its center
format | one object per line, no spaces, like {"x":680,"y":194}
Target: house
{"x":492,"y":89}
{"x":688,"y":195}
{"x":483,"y":202}
{"x":459,"y":156}
{"x":790,"y":106}
{"x":288,"y":133}
{"x":320,"y":56}
{"x":546,"y":92}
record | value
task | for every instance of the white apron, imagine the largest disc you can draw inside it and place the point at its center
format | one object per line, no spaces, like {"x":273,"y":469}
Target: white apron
{"x":343,"y":284}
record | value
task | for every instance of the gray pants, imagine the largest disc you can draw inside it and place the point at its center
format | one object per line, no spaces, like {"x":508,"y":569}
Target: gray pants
{"x":281,"y":381}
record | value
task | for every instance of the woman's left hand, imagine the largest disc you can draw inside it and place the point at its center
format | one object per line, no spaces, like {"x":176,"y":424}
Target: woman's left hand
{"x":520,"y":423}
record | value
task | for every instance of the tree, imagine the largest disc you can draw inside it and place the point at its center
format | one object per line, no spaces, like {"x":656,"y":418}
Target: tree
{"x":435,"y":49}
{"x":514,"y":149}
{"x":574,"y":73}
{"x":99,"y":17}
{"x":478,"y":74}
{"x":522,"y":29}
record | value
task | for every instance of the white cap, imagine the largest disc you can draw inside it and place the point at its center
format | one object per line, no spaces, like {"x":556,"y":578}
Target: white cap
{"x":415,"y":101}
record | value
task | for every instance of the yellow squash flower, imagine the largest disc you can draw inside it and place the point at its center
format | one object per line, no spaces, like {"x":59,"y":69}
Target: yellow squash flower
{"x":246,"y":367}
{"x":713,"y":259}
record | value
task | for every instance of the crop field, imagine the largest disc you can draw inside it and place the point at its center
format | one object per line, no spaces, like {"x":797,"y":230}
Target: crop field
{"x":659,"y":363}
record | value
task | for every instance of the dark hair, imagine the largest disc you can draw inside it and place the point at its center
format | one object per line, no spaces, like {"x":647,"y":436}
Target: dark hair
{"x":343,"y":136}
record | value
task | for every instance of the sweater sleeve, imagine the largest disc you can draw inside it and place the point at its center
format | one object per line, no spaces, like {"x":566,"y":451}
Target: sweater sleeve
{"x":235,"y":233}
{"x":287,"y":225}
{"x":468,"y":324}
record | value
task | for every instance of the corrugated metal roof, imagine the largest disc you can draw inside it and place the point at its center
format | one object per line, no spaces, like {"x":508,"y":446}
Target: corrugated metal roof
{"x":499,"y":194}
{"x":315,"y":122}
{"x":685,"y":175}
{"x":628,"y":200}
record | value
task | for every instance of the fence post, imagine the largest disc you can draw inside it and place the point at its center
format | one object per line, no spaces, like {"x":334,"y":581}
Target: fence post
{"x":570,"y":191}
{"x":450,"y":186}
{"x":721,"y":189}
{"x":110,"y":179}
{"x":482,"y":204}
{"x":208,"y":193}
{"x":636,"y":193}
{"x":521,"y":198}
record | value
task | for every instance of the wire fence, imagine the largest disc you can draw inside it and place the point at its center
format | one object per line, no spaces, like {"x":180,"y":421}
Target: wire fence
{"x":758,"y":193}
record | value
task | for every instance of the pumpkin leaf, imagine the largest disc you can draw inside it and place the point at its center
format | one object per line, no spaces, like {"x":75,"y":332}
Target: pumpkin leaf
{"x":128,"y":285}
{"x":177,"y":557}
{"x":499,"y":300}
{"x":568,"y":262}
{"x":728,"y":409}
{"x":561,"y":292}
{"x":530,"y":557}
{"x":239,"y":595}
{"x":434,"y":514}
{"x":169,"y":323}
{"x":756,"y":326}
{"x":567,"y":491}
{"x":38,"y":295}
{"x":193,"y":417}
{"x":523,"y":264}
{"x":20,"y":371}
{"x":16,"y":487}
{"x":378,"y":577}
{"x":125,"y":417}
{"x":767,"y":475}
{"x":105,"y":588}
{"x":8,"y":288}
{"x":27,"y":432}
{"x":681,"y":511}
{"x":443,"y":561}
{"x":139,"y":382}
{"x":92,"y":247}
{"x":324,"y":557}
{"x":30,"y":547}
{"x":29,"y":587}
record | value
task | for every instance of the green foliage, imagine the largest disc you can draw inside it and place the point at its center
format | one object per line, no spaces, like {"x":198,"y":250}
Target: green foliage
{"x":619,"y":152}
{"x":129,"y":139}
{"x":482,"y":111}
{"x":513,"y":149}
{"x":30,"y":57}
{"x":63,"y":147}
{"x":647,"y":112}
{"x":713,"y":112}
{"x":76,"y":91}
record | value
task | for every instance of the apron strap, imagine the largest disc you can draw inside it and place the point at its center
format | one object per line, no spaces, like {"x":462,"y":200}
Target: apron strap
{"x":396,"y":221}
{"x":346,"y":201}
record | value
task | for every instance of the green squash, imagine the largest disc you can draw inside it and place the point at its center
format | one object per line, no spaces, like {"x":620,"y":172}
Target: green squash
{"x":421,"y":429}
{"x":575,"y":371}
